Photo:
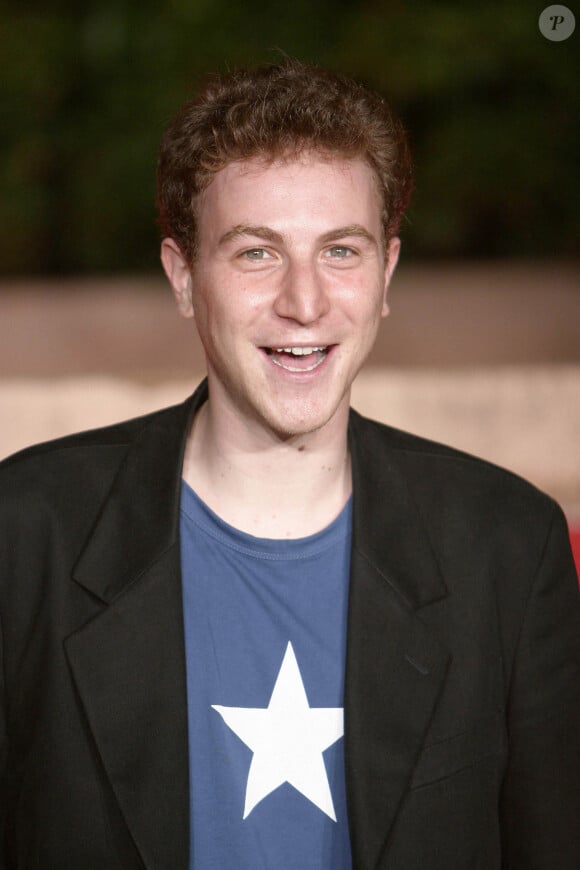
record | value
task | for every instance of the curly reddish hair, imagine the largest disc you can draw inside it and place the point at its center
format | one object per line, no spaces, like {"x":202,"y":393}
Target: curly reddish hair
{"x":277,"y":111}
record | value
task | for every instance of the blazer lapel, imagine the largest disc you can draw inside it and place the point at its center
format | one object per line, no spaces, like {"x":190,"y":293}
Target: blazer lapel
{"x":129,"y":662}
{"x":395,"y":667}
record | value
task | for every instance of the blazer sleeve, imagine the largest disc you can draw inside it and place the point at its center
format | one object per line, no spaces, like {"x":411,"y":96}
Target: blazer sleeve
{"x":540,"y":806}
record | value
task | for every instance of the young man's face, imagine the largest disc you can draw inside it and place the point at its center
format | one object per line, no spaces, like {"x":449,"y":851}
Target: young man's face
{"x":288,"y":288}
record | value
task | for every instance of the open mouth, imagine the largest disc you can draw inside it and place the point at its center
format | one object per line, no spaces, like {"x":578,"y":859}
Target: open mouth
{"x":298,"y":359}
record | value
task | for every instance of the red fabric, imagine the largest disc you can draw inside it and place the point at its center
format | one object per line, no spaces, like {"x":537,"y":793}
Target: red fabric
{"x":575,"y":538}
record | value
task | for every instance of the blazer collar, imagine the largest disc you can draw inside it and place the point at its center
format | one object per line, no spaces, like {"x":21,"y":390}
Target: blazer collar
{"x":388,"y":529}
{"x":140,"y":519}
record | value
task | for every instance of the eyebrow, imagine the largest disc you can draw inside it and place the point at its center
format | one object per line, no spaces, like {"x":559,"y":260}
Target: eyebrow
{"x":351,"y":230}
{"x":240,"y":230}
{"x":271,"y":235}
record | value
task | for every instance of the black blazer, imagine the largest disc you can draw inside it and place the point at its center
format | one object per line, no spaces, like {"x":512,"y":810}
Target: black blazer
{"x":462,"y":682}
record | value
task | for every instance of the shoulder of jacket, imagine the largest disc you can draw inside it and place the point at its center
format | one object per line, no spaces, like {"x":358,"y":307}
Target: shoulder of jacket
{"x":87,"y":460}
{"x":437,"y":465}
{"x":116,"y":435}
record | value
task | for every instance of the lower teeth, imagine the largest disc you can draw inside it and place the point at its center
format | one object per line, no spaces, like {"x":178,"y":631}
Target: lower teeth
{"x":320,"y":355}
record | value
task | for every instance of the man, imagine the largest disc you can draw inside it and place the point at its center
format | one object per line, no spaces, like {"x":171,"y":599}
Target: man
{"x":258,"y":630}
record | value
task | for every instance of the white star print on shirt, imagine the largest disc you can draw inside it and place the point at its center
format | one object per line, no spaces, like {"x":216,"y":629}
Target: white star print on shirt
{"x":287,"y":738}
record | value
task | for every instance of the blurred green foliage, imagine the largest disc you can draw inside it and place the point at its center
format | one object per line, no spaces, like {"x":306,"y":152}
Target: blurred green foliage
{"x":491,"y":107}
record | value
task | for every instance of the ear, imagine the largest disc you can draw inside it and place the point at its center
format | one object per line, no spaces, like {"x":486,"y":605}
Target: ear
{"x":179,"y":276}
{"x":392,"y":257}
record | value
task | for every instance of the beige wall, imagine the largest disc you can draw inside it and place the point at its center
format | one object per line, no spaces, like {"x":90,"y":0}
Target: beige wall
{"x":483,"y":357}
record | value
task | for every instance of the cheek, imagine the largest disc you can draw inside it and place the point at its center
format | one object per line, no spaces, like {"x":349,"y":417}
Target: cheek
{"x":209,"y":304}
{"x":363,"y":303}
{"x":227,"y":315}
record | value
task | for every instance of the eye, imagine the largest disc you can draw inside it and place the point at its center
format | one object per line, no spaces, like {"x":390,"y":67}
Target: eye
{"x":256,"y":254}
{"x":340,"y":252}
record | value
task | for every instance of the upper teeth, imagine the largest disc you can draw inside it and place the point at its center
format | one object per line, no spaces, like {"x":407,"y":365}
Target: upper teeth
{"x":299,"y":351}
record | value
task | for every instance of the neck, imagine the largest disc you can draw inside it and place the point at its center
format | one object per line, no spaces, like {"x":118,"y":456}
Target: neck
{"x":264,"y":485}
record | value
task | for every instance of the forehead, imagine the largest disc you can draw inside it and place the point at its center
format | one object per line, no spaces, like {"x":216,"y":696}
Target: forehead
{"x":307,"y":191}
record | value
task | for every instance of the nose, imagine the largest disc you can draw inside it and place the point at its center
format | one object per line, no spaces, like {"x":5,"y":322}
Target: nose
{"x":302,"y":295}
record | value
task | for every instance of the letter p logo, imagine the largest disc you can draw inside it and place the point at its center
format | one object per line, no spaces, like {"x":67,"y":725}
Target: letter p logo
{"x":557,"y":23}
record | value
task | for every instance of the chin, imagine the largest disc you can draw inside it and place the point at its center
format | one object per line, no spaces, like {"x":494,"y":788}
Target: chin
{"x":299,"y":419}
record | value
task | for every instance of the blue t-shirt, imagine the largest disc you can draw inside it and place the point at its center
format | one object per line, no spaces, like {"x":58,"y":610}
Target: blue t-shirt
{"x":265,"y":633}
